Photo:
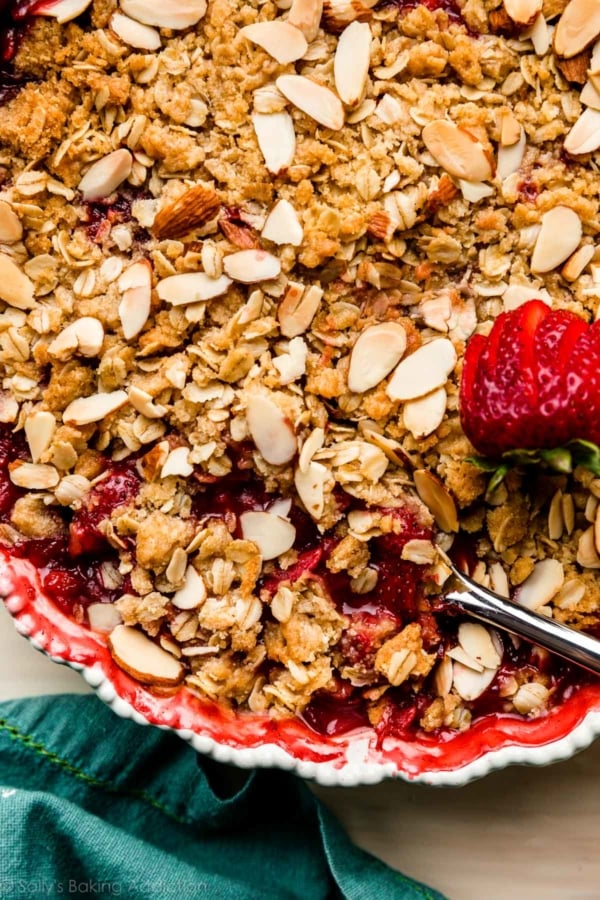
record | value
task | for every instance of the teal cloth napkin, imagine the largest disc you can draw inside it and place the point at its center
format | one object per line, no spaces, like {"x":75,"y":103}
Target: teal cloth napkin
{"x":94,"y":805}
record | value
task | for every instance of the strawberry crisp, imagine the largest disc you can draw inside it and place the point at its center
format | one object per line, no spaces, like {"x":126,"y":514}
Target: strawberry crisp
{"x":296,"y":298}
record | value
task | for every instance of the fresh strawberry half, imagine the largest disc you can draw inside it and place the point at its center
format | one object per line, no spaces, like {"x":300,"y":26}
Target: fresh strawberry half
{"x":533,"y":385}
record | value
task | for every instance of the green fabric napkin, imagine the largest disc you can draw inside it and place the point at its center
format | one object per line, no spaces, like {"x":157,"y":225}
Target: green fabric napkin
{"x":94,"y":805}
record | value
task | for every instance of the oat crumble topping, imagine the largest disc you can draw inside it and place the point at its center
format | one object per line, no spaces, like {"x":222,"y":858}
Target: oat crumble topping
{"x":242,"y":249}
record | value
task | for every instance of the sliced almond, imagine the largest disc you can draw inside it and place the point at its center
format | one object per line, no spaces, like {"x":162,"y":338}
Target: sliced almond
{"x":33,"y":476}
{"x":311,"y":445}
{"x":542,"y":585}
{"x":103,"y":617}
{"x":559,"y":237}
{"x":523,"y":12}
{"x":271,"y":534}
{"x":16,"y":288}
{"x":283,"y":225}
{"x":597,"y":532}
{"x":377,"y":351}
{"x":62,"y":10}
{"x":141,"y":37}
{"x":306,"y":15}
{"x":271,"y":430}
{"x":104,"y":176}
{"x":282,"y":40}
{"x":39,"y":430}
{"x":84,"y":336}
{"x":191,"y":210}
{"x":475,"y":639}
{"x":590,"y":96}
{"x":351,"y":63}
{"x":337,"y":14}
{"x":175,"y":14}
{"x":442,"y":678}
{"x":134,"y":308}
{"x":510,"y":129}
{"x":474,"y":191}
{"x":310,"y":485}
{"x":141,"y":658}
{"x":555,"y":517}
{"x":587,"y":555}
{"x":94,"y":408}
{"x":142,"y":402}
{"x":11,"y":229}
{"x":469,"y":684}
{"x":460,"y":655}
{"x":424,"y":415}
{"x":437,"y":500}
{"x":584,"y":136}
{"x":318,"y":102}
{"x":530,"y":698}
{"x":539,"y":35}
{"x":568,"y":510}
{"x":457,"y":151}
{"x":298,"y":308}
{"x":576,"y":264}
{"x":516,"y":295}
{"x":193,"y":593}
{"x":423,"y":371}
{"x":276,"y":138}
{"x":511,"y":157}
{"x":177,"y":464}
{"x":251,"y":266}
{"x":499,"y":580}
{"x":191,"y":287}
{"x":578,"y":26}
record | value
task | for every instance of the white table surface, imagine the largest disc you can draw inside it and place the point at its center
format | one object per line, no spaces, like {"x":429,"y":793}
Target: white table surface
{"x":520,"y":834}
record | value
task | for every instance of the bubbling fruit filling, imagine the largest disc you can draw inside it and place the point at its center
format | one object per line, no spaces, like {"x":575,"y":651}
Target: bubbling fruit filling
{"x":284,"y":318}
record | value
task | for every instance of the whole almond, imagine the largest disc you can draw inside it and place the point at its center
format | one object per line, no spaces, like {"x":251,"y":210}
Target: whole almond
{"x":190,"y":211}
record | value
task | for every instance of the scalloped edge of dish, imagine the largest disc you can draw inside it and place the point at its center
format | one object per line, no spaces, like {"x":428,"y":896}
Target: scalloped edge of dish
{"x":350,"y":760}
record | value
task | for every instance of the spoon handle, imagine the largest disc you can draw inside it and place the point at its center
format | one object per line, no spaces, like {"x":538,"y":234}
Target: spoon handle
{"x":481,"y":603}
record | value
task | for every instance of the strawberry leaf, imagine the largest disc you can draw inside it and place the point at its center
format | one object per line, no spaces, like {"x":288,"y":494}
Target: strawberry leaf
{"x":558,"y":459}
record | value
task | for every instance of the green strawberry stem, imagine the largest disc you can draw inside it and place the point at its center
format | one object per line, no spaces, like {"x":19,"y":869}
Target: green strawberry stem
{"x":559,"y":459}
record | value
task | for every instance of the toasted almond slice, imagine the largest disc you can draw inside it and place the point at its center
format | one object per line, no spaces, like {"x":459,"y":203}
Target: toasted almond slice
{"x":460,"y":655}
{"x":94,"y":408}
{"x":597,"y":531}
{"x":587,"y":555}
{"x":311,"y":445}
{"x":590,"y":96}
{"x":251,"y":266}
{"x":474,"y":191}
{"x":469,"y":684}
{"x":517,"y":294}
{"x":33,"y":476}
{"x":457,"y":151}
{"x":283,"y":225}
{"x":134,"y":310}
{"x":191,"y":210}
{"x":555,"y":517}
{"x":511,"y":157}
{"x":62,"y":10}
{"x":191,"y":287}
{"x":318,"y":102}
{"x":539,"y":35}
{"x":271,"y":534}
{"x":177,"y":463}
{"x":559,"y":237}
{"x":298,"y":308}
{"x":306,"y":15}
{"x":84,"y":336}
{"x":141,"y":658}
{"x":424,"y":415}
{"x":578,"y":26}
{"x":103,"y":617}
{"x":175,"y":14}
{"x":523,"y":12}
{"x":499,"y":580}
{"x":475,"y":639}
{"x":39,"y":429}
{"x":423,"y":371}
{"x":510,"y":129}
{"x":442,"y":678}
{"x":282,"y":40}
{"x":271,"y":430}
{"x":276,"y":138}
{"x":141,"y":37}
{"x":11,"y":229}
{"x":193,"y":593}
{"x":105,"y":175}
{"x":584,"y":136}
{"x":542,"y":585}
{"x":575,"y":265}
{"x":530,"y":697}
{"x":310,"y":485}
{"x":437,"y":500}
{"x":351,"y":62}
{"x":378,"y":349}
{"x":337,"y":14}
{"x":142,"y":402}
{"x":16,"y":288}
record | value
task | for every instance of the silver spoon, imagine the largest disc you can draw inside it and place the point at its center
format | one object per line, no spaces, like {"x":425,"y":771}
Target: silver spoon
{"x":481,"y":603}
